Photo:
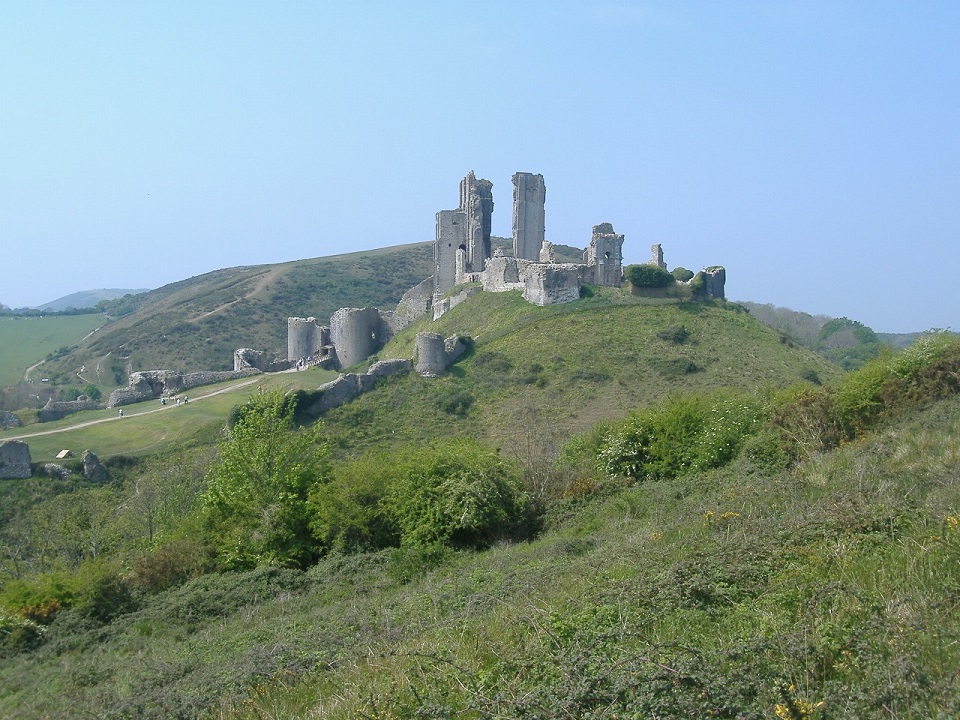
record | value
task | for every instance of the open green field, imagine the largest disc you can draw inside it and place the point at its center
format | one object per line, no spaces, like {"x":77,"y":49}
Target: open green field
{"x":148,"y":427}
{"x":26,"y":340}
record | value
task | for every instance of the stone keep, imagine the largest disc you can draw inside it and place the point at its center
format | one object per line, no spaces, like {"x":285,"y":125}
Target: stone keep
{"x":462,"y":242}
{"x":529,"y":196}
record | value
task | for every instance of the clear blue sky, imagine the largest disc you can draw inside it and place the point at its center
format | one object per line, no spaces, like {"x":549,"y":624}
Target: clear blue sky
{"x":812,"y":148}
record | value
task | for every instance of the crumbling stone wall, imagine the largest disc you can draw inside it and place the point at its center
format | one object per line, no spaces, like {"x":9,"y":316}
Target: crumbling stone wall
{"x":715,"y":280}
{"x":551,"y":284}
{"x":305,"y":337}
{"x":57,"y":410}
{"x":415,"y":303}
{"x":8,"y":420}
{"x":14,"y":459}
{"x":476,"y":202}
{"x":445,"y":305}
{"x":656,"y":256}
{"x":451,"y":237}
{"x":153,"y":384}
{"x":357,"y":333}
{"x":529,"y":196}
{"x":93,"y":469}
{"x":348,"y":385}
{"x":504,"y":273}
{"x":247,"y":358}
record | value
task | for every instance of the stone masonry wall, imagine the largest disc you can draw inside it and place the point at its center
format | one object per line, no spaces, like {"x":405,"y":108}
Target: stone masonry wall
{"x":57,"y":410}
{"x":347,"y":386}
{"x":357,"y":333}
{"x":152,"y":384}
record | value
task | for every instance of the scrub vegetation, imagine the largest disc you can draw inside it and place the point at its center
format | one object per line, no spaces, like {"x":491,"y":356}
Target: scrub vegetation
{"x":559,"y":527}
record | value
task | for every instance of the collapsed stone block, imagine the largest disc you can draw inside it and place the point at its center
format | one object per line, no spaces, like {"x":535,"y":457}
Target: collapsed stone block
{"x":93,"y":469}
{"x":14,"y":459}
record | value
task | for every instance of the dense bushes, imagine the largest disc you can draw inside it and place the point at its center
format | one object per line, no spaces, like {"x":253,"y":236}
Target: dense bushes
{"x":698,"y":432}
{"x":809,"y":420}
{"x":683,"y":435}
{"x":648,"y":276}
{"x":458,"y":494}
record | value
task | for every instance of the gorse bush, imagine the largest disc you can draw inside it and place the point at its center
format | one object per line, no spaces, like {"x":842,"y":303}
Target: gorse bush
{"x":460,"y":494}
{"x":680,"y":436}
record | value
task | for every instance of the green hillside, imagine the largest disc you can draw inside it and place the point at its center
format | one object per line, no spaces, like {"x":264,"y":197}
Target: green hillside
{"x":27,"y":340}
{"x":763,"y":588}
{"x":198,"y":323}
{"x":550,"y":372}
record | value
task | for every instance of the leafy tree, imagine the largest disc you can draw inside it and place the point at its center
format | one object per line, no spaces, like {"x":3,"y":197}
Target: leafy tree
{"x":255,"y":505}
{"x":648,"y":276}
{"x":682,"y":274}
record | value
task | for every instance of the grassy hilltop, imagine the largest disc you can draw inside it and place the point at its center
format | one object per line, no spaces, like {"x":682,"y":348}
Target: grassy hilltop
{"x":619,"y":507}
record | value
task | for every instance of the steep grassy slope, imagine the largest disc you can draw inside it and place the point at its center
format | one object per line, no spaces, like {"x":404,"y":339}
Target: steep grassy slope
{"x":198,"y":323}
{"x":549,"y":372}
{"x":826,"y":591}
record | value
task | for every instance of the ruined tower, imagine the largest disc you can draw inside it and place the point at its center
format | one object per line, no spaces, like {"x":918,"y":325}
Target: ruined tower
{"x":305,"y":336}
{"x":656,"y":256}
{"x":451,"y":238}
{"x":529,"y":195}
{"x":605,"y":255}
{"x":463,"y":235}
{"x":476,"y":201}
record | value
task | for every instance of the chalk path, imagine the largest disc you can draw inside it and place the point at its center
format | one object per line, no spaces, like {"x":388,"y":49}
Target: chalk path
{"x":130,"y":415}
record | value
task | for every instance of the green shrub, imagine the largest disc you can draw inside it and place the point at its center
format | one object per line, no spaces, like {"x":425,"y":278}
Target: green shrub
{"x":460,"y":494}
{"x":105,"y":598}
{"x":810,"y":421}
{"x":681,"y":274}
{"x":676,"y":334}
{"x":698,"y":285}
{"x":171,"y":564}
{"x":348,"y":513}
{"x":683,"y":435}
{"x":648,"y":276}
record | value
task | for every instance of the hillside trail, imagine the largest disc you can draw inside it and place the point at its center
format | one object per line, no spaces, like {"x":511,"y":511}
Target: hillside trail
{"x":136,"y":414}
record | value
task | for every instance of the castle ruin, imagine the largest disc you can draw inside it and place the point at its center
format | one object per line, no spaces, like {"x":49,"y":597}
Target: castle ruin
{"x":464,"y":264}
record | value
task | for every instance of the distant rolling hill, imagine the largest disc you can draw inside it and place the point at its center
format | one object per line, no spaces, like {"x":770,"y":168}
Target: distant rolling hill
{"x":197,"y":323}
{"x":87,"y":298}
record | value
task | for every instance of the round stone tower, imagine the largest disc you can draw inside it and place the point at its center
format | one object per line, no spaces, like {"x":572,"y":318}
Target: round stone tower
{"x":302,"y":337}
{"x":431,"y":354}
